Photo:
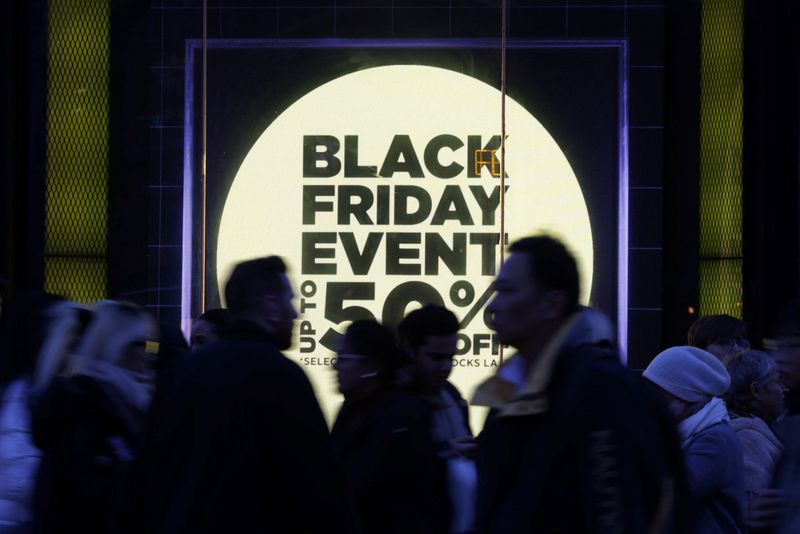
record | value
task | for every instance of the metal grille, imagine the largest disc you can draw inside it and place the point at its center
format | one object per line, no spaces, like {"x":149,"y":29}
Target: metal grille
{"x":721,"y":157}
{"x":76,"y":223}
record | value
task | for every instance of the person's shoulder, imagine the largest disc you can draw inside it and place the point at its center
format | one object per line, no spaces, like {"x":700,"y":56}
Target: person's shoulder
{"x":401,"y":406}
{"x":235,"y":353}
{"x":748,"y":425}
{"x":453,"y":391}
{"x":719,"y":436}
{"x":600,"y":369}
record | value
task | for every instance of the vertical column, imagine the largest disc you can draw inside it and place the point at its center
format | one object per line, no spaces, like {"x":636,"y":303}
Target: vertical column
{"x":721,"y":116}
{"x":76,"y":194}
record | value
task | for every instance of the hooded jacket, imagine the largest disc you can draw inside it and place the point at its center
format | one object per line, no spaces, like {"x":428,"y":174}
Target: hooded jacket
{"x":576,"y":444}
{"x":761,"y":448}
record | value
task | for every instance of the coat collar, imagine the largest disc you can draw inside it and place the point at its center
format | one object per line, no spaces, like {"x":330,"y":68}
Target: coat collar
{"x":508,"y":396}
{"x":519,"y":389}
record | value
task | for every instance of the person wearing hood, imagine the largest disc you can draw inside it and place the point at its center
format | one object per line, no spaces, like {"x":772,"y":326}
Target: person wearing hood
{"x":89,"y":425}
{"x":574,"y":442}
{"x":692,"y":382}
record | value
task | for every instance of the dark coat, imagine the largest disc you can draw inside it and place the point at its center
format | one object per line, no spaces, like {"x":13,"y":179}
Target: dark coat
{"x":396,"y":479}
{"x":716,"y":480}
{"x":461,"y":401}
{"x":603,"y":456}
{"x":237,"y":443}
{"x":88,"y":436}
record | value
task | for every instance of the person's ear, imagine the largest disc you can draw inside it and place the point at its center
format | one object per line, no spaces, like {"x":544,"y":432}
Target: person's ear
{"x":756,"y":391}
{"x":554,"y":302}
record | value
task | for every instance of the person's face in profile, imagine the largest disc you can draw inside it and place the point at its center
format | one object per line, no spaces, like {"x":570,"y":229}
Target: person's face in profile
{"x":203,"y":333}
{"x":520,"y":307}
{"x":769,"y":393}
{"x":434,"y":360}
{"x":280,"y":314}
{"x":355,"y":373}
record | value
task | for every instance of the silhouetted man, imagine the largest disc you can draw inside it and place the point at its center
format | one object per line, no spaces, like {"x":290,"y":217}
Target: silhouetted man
{"x":429,"y":339}
{"x":573,"y":442}
{"x":238,"y":442}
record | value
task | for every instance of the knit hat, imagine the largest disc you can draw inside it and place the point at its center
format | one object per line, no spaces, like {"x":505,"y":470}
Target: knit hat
{"x":689,"y":373}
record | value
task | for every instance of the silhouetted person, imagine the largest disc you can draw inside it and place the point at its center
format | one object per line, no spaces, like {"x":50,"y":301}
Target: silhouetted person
{"x":89,"y":425}
{"x":237,"y":441}
{"x":722,"y":335}
{"x":382,"y":436}
{"x":693,"y":382}
{"x":429,"y":339}
{"x":209,"y":326}
{"x":574,"y":442}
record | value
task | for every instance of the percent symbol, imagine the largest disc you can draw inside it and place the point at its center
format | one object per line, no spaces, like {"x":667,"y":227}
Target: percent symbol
{"x":462,"y":294}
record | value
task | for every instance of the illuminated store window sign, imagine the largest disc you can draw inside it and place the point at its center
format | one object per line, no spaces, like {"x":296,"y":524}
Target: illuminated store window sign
{"x":381,"y":188}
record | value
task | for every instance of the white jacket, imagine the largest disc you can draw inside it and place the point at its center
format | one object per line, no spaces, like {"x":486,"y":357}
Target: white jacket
{"x":19,"y":457}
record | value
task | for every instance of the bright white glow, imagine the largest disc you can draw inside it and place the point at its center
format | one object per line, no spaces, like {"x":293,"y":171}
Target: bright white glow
{"x":263,"y":211}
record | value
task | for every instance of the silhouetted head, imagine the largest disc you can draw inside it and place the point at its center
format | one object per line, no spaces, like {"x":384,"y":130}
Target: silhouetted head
{"x":689,"y":377}
{"x":429,"y":339}
{"x":756,"y":389}
{"x":722,"y":335}
{"x":536,"y":290}
{"x":259,"y":291}
{"x":367,"y":358}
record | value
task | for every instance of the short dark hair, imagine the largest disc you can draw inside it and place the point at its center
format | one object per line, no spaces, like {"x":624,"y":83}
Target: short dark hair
{"x":251,"y":280}
{"x":218,"y":318}
{"x":711,"y":329}
{"x":552,"y":266}
{"x":430,"y":320}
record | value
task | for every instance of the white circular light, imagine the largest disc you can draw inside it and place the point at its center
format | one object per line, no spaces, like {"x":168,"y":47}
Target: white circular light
{"x":393,"y":115}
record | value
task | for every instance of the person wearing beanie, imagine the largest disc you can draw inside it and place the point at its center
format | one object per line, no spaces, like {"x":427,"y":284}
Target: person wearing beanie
{"x":692,"y":382}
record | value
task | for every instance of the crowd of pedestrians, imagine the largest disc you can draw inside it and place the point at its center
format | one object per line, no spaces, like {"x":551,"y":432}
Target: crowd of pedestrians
{"x":110,"y":423}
